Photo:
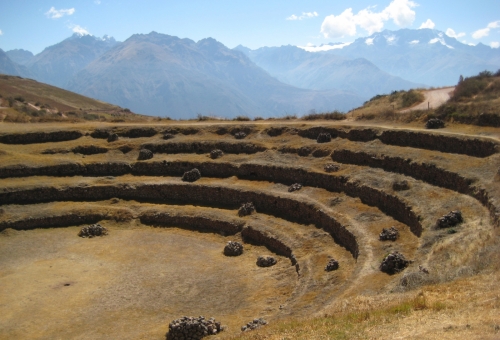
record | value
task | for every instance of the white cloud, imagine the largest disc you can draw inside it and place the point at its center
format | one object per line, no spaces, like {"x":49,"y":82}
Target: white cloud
{"x":494,"y":24}
{"x":414,"y":42}
{"x":483,"y":32}
{"x":344,"y":24}
{"x":1,"y":33}
{"x":97,"y":2}
{"x":79,"y":30}
{"x":495,"y":44}
{"x":369,"y":41}
{"x":401,"y":12}
{"x":451,"y":33}
{"x":427,"y":24}
{"x":322,"y":48}
{"x":339,"y":26}
{"x":53,"y":13}
{"x":305,"y":15}
{"x":390,"y":39}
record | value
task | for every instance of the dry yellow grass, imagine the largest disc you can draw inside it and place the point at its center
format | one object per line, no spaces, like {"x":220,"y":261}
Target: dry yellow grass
{"x":459,"y":297}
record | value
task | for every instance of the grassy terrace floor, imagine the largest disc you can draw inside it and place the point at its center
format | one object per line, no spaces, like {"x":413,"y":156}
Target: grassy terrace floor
{"x":133,"y":282}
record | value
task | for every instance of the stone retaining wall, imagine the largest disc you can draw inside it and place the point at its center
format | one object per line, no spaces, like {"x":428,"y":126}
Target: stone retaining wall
{"x":302,"y":211}
{"x":40,"y":137}
{"x":391,"y":205}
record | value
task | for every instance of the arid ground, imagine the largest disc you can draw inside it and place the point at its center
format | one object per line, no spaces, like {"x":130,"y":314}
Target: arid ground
{"x":163,"y":257}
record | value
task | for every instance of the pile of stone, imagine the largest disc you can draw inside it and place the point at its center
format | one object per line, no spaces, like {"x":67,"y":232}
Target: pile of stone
{"x":450,"y":220}
{"x":240,"y":135}
{"x":256,"y":323}
{"x":332,"y":265}
{"x":112,"y":137}
{"x":192,"y":328}
{"x":145,"y":154}
{"x":93,"y":230}
{"x":216,"y":153}
{"x":233,"y":248}
{"x":401,"y":185}
{"x":191,"y":175}
{"x":324,"y":138}
{"x":168,"y":136}
{"x":246,"y":209}
{"x":434,"y":124}
{"x":266,"y":261}
{"x":390,"y":234}
{"x":294,"y":187}
{"x":394,"y":263}
{"x":330,"y":167}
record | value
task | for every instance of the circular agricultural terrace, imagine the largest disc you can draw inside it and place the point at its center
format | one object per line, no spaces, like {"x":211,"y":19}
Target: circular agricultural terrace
{"x":320,"y":207}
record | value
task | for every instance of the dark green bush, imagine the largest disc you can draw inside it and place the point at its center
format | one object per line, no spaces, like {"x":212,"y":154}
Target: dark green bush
{"x":412,"y":97}
{"x":241,"y":118}
{"x":335,"y":115}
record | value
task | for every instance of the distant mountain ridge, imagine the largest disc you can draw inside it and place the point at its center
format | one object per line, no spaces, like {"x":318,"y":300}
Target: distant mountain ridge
{"x":20,"y":56}
{"x":160,"y":74}
{"x":423,"y":56}
{"x":323,"y":71}
{"x":58,"y":63}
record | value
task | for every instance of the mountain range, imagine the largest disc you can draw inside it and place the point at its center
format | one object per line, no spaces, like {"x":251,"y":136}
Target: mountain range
{"x":163,"y":75}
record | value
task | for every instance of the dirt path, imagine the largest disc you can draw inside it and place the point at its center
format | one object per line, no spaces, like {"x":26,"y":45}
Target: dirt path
{"x":433,"y":98}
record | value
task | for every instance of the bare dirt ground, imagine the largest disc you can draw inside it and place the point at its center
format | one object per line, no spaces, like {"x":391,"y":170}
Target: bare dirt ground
{"x":133,"y":282}
{"x":433,"y":99}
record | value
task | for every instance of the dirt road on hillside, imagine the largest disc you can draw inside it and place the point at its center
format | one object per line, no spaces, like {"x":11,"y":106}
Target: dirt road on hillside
{"x":433,"y":98}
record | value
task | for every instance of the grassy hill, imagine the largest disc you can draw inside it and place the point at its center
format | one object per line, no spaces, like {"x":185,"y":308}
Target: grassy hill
{"x":474,"y":101}
{"x":26,"y":100}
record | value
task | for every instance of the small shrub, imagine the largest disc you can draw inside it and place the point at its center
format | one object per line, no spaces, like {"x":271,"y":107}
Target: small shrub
{"x":241,"y":118}
{"x":335,"y":115}
{"x":258,"y":118}
{"x":411,"y":97}
{"x":20,"y":99}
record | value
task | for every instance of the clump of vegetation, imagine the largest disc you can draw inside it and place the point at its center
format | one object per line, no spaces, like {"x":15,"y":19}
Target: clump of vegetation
{"x":474,"y":101}
{"x":411,"y":97}
{"x":334,"y":115}
{"x":241,"y":118}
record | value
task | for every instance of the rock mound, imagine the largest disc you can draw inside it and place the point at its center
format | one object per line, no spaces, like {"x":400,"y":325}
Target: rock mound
{"x":401,"y":185}
{"x":145,"y":154}
{"x":89,"y":150}
{"x":394,"y":263}
{"x":294,"y":187}
{"x":93,"y":230}
{"x":330,"y":167}
{"x":324,"y":138}
{"x":240,"y":135}
{"x":113,"y":137}
{"x":192,"y":328}
{"x":254,"y":324}
{"x":434,"y":124}
{"x":332,"y":265}
{"x":390,"y":234}
{"x":246,"y":209}
{"x":214,"y":154}
{"x":168,"y":136}
{"x":450,"y":220}
{"x":266,"y":261}
{"x":233,"y":248}
{"x":191,"y":175}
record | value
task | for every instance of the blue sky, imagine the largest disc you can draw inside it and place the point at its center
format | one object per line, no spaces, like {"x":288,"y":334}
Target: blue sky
{"x":34,"y":25}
